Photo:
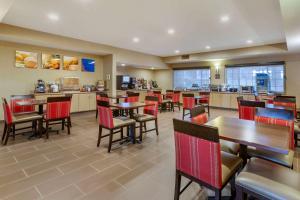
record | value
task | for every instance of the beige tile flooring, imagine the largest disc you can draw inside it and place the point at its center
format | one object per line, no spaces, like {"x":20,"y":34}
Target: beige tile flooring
{"x":72,"y":167}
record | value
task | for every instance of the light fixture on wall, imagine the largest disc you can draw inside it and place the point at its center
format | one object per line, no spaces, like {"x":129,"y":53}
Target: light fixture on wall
{"x":217,"y":73}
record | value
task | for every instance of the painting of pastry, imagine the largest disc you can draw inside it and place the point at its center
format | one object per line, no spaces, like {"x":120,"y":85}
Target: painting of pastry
{"x":26,"y":59}
{"x":51,"y":61}
{"x":71,"y":63}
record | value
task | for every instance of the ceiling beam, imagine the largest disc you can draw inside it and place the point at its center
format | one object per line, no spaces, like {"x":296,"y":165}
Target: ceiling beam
{"x":4,"y":7}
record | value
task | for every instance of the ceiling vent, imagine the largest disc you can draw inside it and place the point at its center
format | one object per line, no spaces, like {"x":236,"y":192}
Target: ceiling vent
{"x":185,"y":57}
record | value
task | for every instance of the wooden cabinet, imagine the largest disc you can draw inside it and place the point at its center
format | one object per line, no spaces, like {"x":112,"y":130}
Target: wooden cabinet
{"x":92,"y":100}
{"x":75,"y":103}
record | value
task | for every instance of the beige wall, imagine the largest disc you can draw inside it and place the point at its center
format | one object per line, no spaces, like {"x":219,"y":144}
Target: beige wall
{"x":21,"y":81}
{"x":147,"y":74}
{"x":164,"y":78}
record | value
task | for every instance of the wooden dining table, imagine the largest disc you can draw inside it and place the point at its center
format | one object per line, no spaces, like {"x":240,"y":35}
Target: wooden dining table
{"x":273,"y":138}
{"x":118,"y":97}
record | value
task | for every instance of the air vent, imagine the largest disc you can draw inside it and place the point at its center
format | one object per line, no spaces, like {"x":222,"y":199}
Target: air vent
{"x":185,"y":57}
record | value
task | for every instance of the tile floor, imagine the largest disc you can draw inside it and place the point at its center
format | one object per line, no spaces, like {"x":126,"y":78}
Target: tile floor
{"x":72,"y":167}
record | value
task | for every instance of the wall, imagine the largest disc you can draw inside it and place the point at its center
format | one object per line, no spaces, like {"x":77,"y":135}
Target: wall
{"x":147,"y":74}
{"x":21,"y":81}
{"x":164,"y":78}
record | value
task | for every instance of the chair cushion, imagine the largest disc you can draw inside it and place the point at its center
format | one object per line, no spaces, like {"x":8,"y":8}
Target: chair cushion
{"x":282,"y":159}
{"x":269,"y":180}
{"x":230,"y":147}
{"x":230,"y":165}
{"x":26,"y":117}
{"x":144,"y":117}
{"x":122,"y":121}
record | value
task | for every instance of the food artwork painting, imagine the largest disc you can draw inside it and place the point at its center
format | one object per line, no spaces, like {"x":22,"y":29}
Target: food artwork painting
{"x":51,"y":61}
{"x":88,"y":65}
{"x":25,"y":59}
{"x":71,"y":63}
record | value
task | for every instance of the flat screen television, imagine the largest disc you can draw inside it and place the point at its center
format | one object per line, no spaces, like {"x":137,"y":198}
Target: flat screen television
{"x":126,"y":79}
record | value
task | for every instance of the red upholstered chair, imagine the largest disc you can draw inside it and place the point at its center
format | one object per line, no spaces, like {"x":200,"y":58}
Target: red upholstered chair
{"x":287,"y":101}
{"x":188,"y":103}
{"x":247,"y":109}
{"x":281,"y":159}
{"x":132,"y":98}
{"x":58,"y":111}
{"x":199,"y":158}
{"x":150,"y":114}
{"x":169,"y":94}
{"x":11,"y":120}
{"x":175,"y":100}
{"x":205,"y":101}
{"x":162,"y":103}
{"x":101,"y":96}
{"x":114,"y":125}
{"x":200,"y":117}
{"x":14,"y":99}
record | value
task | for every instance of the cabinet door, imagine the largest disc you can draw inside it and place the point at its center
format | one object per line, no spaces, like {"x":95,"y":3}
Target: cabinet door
{"x":84,"y":102}
{"x":92,"y":98}
{"x":233,"y":101}
{"x":75,"y":103}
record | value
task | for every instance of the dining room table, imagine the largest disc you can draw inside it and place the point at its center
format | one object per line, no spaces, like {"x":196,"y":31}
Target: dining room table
{"x":262,"y":136}
{"x":130,"y":107}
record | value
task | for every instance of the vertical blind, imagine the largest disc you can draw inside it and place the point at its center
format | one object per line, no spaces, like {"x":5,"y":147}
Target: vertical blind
{"x":245,"y":75}
{"x":185,"y":78}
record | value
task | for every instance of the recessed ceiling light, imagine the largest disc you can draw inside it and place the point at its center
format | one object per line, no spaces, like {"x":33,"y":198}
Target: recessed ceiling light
{"x":249,"y":41}
{"x":123,"y":65}
{"x":136,"y":39}
{"x":171,"y":31}
{"x":53,"y":16}
{"x":152,"y":68}
{"x":177,"y":51}
{"x":224,"y":18}
{"x":207,"y":47}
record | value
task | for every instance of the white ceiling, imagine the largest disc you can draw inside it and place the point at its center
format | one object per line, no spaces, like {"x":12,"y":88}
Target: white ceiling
{"x":116,"y":22}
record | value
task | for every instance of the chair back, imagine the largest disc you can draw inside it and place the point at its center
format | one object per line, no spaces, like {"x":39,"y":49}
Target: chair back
{"x":58,"y":107}
{"x":101,"y":96}
{"x":198,"y":152}
{"x":132,"y":97}
{"x":8,"y":116}
{"x":150,"y":93}
{"x":280,"y":122}
{"x":199,"y":115}
{"x":169,"y":94}
{"x":188,"y":101}
{"x":206,"y":97}
{"x":151,"y":110}
{"x":14,"y":99}
{"x":176,"y":97}
{"x":286,"y":101}
{"x":247,"y":109}
{"x":158,"y":95}
{"x":105,"y":114}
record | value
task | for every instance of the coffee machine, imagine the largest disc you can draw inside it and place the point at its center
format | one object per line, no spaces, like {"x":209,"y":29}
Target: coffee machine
{"x":40,"y":86}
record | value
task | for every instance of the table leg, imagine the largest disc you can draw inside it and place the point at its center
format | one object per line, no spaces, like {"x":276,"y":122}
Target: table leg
{"x":41,"y":109}
{"x":118,"y":100}
{"x":243,"y":153}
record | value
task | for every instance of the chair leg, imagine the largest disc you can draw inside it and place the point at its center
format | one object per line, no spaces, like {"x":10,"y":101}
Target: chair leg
{"x":69,"y":125}
{"x":141,"y":131}
{"x":9,"y":129}
{"x":47,"y":129}
{"x":179,"y":105}
{"x":35,"y":128}
{"x":240,"y":195}
{"x":133,"y":133}
{"x":122,"y":133}
{"x":145,"y":126}
{"x":208,"y":110}
{"x":63,"y":124}
{"x":40,"y":127}
{"x":4,"y":131}
{"x":232,"y":186}
{"x":110,"y":140}
{"x":156,"y":127}
{"x":183,"y":112}
{"x":177,"y":185}
{"x":96,"y":114}
{"x":218,"y":194}
{"x":14,"y":131}
{"x":99,"y":136}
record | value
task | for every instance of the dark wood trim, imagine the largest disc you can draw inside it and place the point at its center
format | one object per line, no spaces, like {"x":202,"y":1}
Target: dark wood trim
{"x":191,"y":68}
{"x":255,"y":64}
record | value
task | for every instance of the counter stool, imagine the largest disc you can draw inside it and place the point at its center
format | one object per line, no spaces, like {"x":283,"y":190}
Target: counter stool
{"x":266,"y":180}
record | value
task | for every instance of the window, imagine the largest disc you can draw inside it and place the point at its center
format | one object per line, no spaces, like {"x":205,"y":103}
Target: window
{"x":245,"y":75}
{"x":185,"y":78}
